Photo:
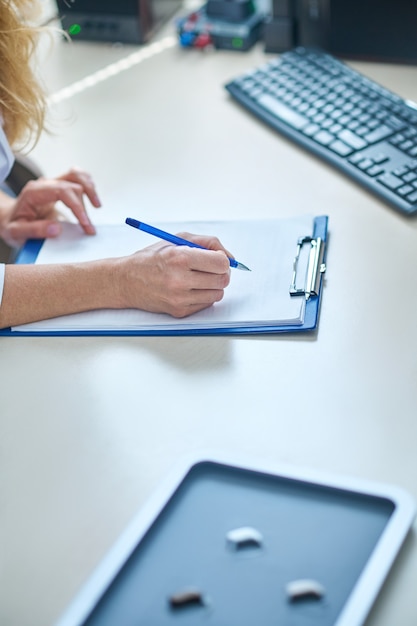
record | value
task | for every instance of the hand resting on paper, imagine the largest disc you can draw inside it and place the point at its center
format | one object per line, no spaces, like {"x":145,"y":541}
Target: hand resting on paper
{"x":33,"y":213}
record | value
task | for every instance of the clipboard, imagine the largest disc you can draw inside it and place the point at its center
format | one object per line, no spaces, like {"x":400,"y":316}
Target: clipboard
{"x":343,"y":533}
{"x":304,"y":283}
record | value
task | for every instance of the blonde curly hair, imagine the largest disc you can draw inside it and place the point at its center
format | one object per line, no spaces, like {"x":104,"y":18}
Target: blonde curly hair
{"x":22,"y":98}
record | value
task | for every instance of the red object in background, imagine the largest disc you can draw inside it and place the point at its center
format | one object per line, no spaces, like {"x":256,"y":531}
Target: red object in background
{"x":202,"y":41}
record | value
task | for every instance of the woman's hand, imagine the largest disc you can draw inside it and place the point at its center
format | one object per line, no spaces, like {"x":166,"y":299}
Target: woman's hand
{"x":33,"y":214}
{"x":162,"y":278}
{"x":178,"y":280}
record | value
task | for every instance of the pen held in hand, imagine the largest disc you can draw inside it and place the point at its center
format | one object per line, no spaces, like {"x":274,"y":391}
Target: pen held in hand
{"x":178,"y":241}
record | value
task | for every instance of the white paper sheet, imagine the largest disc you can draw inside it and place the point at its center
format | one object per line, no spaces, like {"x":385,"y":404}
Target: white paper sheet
{"x":259,"y":297}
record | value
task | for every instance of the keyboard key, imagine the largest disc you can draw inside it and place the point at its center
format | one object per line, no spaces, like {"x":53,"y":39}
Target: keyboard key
{"x":353,"y":125}
{"x":380,"y":158}
{"x":378,"y":134}
{"x":255,"y":92}
{"x":400,"y":171}
{"x":311,"y":129}
{"x":320,"y":117}
{"x":352,"y":140}
{"x":404,"y":190}
{"x":282,"y":111}
{"x":390,"y":181}
{"x":345,"y":119}
{"x":395,"y":140}
{"x":410,"y":132}
{"x":409,"y":177}
{"x":406,"y":145}
{"x":412,"y":197}
{"x":327,"y":123}
{"x":341,"y":148}
{"x":396,"y":122}
{"x":355,"y":158}
{"x":335,"y":128}
{"x":365,"y":164}
{"x":375,"y":170}
{"x":361,"y":131}
{"x":373,"y":124}
{"x":324,"y":137}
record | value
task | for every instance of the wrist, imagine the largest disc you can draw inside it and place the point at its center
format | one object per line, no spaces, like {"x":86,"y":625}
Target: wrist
{"x":122,"y":281}
{"x":118,"y":284}
{"x":105,"y":283}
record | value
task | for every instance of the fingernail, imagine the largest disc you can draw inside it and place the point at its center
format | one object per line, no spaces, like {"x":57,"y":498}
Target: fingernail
{"x":53,"y":230}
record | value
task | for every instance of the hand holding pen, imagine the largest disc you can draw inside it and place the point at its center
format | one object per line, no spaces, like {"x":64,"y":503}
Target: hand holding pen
{"x":179,"y":279}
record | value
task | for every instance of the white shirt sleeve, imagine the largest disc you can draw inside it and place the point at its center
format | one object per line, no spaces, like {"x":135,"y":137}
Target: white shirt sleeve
{"x":2,"y":270}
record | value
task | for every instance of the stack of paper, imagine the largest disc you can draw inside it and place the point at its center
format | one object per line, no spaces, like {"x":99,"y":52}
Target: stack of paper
{"x":253,"y":299}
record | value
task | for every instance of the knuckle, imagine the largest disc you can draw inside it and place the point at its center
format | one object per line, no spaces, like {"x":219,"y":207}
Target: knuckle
{"x":180,"y":257}
{"x":178,"y":309}
{"x":31,"y":184}
{"x":225,"y":280}
{"x":219,"y":295}
{"x":75,"y":171}
{"x":184,"y":235}
{"x":69,"y":188}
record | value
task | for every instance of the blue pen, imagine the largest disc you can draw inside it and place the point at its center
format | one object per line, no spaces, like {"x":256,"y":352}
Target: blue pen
{"x":178,"y":241}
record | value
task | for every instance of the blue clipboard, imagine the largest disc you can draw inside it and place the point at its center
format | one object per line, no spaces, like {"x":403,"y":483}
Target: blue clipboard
{"x":314,"y":278}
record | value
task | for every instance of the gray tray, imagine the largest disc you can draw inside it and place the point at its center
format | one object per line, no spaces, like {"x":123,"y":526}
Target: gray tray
{"x":342,"y":534}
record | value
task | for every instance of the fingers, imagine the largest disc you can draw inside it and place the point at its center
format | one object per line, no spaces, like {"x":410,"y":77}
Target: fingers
{"x":38,"y":198}
{"x":196,"y":269}
{"x":18,"y":232}
{"x":206,"y":241}
{"x":209,"y":269}
{"x":182,"y":309}
{"x":74,"y":175}
{"x":72,"y":196}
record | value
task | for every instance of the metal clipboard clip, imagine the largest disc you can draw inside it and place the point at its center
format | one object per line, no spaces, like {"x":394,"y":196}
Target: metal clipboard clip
{"x":315,"y":267}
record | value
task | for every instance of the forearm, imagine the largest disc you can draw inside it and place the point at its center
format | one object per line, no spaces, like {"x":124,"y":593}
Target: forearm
{"x":37,"y":292}
{"x":162,"y":278}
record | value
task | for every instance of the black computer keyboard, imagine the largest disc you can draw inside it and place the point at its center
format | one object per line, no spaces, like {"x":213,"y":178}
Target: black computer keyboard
{"x":350,"y":121}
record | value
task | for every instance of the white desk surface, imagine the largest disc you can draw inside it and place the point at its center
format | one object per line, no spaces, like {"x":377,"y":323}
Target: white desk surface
{"x":89,"y":426}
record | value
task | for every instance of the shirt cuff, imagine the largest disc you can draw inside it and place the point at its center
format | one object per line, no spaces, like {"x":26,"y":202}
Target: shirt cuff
{"x":2,"y":270}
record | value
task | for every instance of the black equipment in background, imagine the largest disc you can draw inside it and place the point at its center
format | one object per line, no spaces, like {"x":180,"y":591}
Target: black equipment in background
{"x":125,"y":21}
{"x":374,"y":30}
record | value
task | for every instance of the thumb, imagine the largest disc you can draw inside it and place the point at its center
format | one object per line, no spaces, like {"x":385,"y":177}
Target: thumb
{"x":20,"y":230}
